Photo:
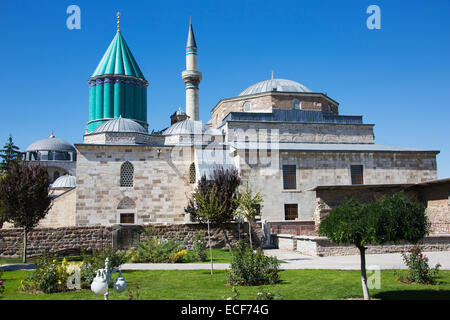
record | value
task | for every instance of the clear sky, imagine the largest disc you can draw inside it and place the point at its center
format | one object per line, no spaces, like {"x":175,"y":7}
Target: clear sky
{"x":397,"y":77}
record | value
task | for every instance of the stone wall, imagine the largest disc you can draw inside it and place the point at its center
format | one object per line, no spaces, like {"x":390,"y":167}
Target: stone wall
{"x":42,"y":240}
{"x":300,"y":132}
{"x":272,"y":100}
{"x":70,"y":239}
{"x":321,"y":246}
{"x":434,"y":195}
{"x":160,"y":184}
{"x":62,"y":212}
{"x":327,"y":168}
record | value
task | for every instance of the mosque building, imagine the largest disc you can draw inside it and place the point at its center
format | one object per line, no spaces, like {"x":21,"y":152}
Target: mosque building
{"x":283,"y":138}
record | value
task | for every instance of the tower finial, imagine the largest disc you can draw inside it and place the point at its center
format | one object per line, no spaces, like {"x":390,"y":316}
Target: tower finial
{"x":272,"y":74}
{"x":118,"y":21}
{"x":52,"y":135}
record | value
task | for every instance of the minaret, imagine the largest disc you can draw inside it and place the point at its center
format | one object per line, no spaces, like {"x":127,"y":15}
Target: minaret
{"x":191,"y":76}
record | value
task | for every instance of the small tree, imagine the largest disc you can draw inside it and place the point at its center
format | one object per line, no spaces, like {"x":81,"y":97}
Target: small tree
{"x":249,"y":206}
{"x":24,"y":193}
{"x":390,"y":219}
{"x":209,"y":206}
{"x":9,"y":154}
{"x":225,"y":182}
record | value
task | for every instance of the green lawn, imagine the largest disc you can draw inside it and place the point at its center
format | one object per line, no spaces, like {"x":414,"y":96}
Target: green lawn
{"x":200,"y":284}
{"x":10,"y":261}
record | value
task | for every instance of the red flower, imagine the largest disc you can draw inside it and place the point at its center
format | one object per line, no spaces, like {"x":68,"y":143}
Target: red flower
{"x":420,"y":256}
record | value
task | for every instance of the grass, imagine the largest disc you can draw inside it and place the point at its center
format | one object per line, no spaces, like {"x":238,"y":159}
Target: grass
{"x":10,"y":261}
{"x":200,"y":284}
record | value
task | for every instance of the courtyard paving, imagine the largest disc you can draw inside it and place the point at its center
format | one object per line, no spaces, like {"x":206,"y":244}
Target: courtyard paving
{"x":296,"y":260}
{"x":293,"y":260}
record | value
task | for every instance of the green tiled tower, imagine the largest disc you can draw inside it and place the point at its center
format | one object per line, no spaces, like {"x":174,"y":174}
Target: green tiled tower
{"x":117,"y":87}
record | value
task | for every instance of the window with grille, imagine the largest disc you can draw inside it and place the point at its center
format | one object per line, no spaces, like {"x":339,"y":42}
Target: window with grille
{"x":291,"y":211}
{"x":289,"y":177}
{"x":192,"y":175}
{"x":127,"y":218}
{"x":126,"y":174}
{"x":357,"y":174}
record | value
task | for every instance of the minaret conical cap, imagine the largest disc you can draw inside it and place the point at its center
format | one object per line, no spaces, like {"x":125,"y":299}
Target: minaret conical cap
{"x":191,"y":39}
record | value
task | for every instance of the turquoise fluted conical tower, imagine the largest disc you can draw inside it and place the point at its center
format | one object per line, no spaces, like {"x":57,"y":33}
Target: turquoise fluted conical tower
{"x":117,"y":87}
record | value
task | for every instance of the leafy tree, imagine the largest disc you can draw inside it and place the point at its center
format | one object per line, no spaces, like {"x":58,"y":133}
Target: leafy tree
{"x":390,"y":219}
{"x":24,"y":193}
{"x":208,"y":207}
{"x":249,"y":206}
{"x":9,"y":154}
{"x":225,"y":182}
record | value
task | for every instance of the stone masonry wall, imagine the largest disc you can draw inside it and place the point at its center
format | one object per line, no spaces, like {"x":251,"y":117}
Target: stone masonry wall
{"x":53,"y":240}
{"x":327,"y":168}
{"x":160,"y":184}
{"x":68,"y":239}
{"x":300,"y":132}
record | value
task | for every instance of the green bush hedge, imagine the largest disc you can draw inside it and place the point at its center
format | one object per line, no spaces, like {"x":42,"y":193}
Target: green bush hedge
{"x":249,"y":268}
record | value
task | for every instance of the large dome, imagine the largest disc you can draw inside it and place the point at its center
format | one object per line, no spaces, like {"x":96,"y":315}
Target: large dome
{"x":51,"y":144}
{"x":120,"y":125}
{"x":189,"y":127}
{"x":280,"y":85}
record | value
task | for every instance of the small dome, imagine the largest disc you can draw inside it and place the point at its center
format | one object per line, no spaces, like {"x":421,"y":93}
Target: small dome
{"x":179,"y":112}
{"x":189,"y":127}
{"x":279,"y":85}
{"x":51,"y":144}
{"x":120,"y":125}
{"x":63,"y":182}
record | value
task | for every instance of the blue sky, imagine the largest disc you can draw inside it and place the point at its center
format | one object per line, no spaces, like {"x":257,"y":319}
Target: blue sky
{"x":398,"y":77}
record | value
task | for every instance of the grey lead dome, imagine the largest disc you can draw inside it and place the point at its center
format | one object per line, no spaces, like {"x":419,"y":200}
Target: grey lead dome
{"x":63,"y":182}
{"x":51,"y":144}
{"x":280,"y":85}
{"x":120,"y":125}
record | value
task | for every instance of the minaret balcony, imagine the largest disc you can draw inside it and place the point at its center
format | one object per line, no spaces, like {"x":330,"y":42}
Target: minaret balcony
{"x":191,"y":76}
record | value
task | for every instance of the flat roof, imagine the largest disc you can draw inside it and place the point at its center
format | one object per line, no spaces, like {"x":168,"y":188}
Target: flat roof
{"x":325,"y":147}
{"x":383,"y":185}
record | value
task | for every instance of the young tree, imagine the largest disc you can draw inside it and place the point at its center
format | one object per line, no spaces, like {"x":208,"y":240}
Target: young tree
{"x":226,"y":183}
{"x":24,"y":193}
{"x":249,"y":206}
{"x":209,"y":206}
{"x":9,"y":154}
{"x":390,"y":219}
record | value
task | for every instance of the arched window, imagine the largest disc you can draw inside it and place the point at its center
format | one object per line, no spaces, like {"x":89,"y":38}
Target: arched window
{"x":296,"y":104}
{"x":247,"y":106}
{"x":192,"y":175}
{"x":126,"y":174}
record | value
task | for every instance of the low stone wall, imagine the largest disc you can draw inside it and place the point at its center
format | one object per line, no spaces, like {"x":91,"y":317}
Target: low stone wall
{"x":69,"y":239}
{"x":321,"y":246}
{"x":299,"y":228}
{"x":42,"y":240}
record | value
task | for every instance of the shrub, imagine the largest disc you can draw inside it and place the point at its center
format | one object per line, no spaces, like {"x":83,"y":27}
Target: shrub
{"x":155,"y":250}
{"x":96,"y":260}
{"x":199,"y":248}
{"x":418,"y":269}
{"x":49,"y":276}
{"x":252,"y":268}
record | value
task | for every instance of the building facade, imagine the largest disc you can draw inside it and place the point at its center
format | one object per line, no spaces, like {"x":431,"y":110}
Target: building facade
{"x":283,"y":139}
